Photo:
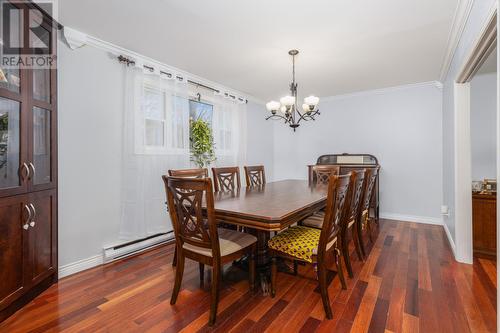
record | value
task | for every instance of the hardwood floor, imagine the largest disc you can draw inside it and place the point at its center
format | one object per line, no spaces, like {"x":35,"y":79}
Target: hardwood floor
{"x":409,"y":283}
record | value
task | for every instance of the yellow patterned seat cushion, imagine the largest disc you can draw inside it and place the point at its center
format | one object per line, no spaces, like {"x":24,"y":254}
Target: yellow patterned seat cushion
{"x":298,"y":241}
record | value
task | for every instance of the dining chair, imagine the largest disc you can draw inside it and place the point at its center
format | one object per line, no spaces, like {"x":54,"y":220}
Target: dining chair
{"x":189,"y":173}
{"x":318,"y":247}
{"x":198,"y":237}
{"x":322,"y":173}
{"x":227,"y":179}
{"x":364,"y":213}
{"x":349,"y":224}
{"x":255,"y":175}
{"x":186,"y":173}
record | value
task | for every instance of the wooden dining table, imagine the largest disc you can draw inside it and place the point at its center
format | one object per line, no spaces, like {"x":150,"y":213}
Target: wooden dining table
{"x":268,"y":208}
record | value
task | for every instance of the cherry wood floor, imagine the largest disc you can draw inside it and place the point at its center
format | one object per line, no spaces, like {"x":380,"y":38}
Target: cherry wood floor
{"x":409,"y":283}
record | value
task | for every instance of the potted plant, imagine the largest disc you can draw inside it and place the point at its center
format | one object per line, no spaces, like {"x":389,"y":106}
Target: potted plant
{"x":202,"y":143}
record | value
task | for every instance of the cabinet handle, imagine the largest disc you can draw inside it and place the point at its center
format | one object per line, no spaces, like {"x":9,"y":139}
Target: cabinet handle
{"x":26,"y":225}
{"x":34,"y":170}
{"x":32,"y":224}
{"x":25,"y":167}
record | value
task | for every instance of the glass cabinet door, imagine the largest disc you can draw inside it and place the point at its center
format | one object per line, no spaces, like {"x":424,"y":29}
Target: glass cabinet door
{"x":41,"y":164}
{"x":10,"y":146}
{"x":10,"y":78}
{"x":41,"y":84}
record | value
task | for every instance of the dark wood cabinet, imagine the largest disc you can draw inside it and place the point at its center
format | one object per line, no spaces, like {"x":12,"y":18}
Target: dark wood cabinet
{"x":28,"y":171}
{"x":484,"y":224}
{"x":13,"y":248}
{"x":42,"y":260}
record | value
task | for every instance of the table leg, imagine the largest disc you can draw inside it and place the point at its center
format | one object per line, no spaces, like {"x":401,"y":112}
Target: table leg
{"x":263,"y":259}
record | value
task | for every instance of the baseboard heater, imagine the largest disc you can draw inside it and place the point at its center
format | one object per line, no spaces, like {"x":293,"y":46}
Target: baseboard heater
{"x":130,"y":248}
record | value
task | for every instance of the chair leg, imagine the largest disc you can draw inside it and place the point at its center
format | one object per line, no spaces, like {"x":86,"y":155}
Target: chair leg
{"x":295,"y":267}
{"x":355,"y":239}
{"x":202,"y":271}
{"x":340,"y":271}
{"x":252,"y":269}
{"x":323,"y":287}
{"x":369,"y":229}
{"x":360,"y":237}
{"x":178,"y":278}
{"x":273,"y":276}
{"x":345,"y":253}
{"x":215,"y":293}
{"x":174,"y":261}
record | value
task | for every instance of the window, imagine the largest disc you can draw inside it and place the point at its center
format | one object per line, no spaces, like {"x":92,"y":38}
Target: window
{"x":153,"y":108}
{"x":201,"y":110}
{"x":223,"y":135}
{"x":163,"y":122}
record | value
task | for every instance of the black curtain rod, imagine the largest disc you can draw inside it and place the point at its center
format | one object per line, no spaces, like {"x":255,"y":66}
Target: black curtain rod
{"x":128,"y":62}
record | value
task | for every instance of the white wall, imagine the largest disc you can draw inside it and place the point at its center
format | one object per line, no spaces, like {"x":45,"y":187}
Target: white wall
{"x":260,"y":148}
{"x":90,"y":146}
{"x":90,"y":122}
{"x":476,"y":20}
{"x":483,"y":98}
{"x":400,"y":126}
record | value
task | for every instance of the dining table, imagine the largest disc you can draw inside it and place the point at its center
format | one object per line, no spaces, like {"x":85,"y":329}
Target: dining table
{"x":271,"y":207}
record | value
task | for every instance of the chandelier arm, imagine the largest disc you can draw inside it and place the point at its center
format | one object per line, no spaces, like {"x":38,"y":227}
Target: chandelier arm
{"x":277,"y":116}
{"x":311,"y":115}
{"x":315,"y":113}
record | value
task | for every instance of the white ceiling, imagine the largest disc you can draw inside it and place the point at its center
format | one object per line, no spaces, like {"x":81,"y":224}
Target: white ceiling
{"x":345,"y":45}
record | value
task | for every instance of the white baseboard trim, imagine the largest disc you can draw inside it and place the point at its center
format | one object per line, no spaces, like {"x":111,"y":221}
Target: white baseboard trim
{"x":80,"y":265}
{"x":450,"y":240}
{"x":412,"y":218}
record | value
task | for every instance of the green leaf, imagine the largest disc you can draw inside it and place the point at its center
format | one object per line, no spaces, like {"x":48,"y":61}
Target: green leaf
{"x":202,"y":143}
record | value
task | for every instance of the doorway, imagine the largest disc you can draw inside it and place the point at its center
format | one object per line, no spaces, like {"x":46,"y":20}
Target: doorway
{"x":483,"y":132}
{"x":477,"y":62}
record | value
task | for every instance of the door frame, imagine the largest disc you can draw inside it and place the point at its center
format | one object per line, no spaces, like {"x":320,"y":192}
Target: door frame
{"x":485,"y":44}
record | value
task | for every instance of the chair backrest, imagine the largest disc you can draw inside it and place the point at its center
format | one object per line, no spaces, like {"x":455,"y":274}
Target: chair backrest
{"x":185,"y":198}
{"x":227,"y":179}
{"x":322,"y":173}
{"x":338,"y":193}
{"x":189,"y":173}
{"x":371,"y":179}
{"x":357,"y":194}
{"x":255,"y":175}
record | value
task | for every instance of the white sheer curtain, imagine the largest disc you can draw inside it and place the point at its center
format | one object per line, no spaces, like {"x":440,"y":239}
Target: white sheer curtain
{"x":229,"y":129}
{"x":156,"y":138}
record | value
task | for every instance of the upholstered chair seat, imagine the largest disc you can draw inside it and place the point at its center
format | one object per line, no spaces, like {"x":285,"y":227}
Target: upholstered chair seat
{"x":299,"y":242}
{"x":230,"y":241}
{"x":316,"y":220}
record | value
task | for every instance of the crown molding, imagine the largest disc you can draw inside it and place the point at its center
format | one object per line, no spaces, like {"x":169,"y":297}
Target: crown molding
{"x":76,"y":39}
{"x":460,"y":19}
{"x":435,"y":84}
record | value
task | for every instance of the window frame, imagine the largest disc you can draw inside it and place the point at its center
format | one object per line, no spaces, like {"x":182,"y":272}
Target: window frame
{"x":164,"y":146}
{"x":212,"y":100}
{"x":140,"y":129}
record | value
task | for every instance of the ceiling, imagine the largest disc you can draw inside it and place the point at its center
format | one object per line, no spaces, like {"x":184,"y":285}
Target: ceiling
{"x":345,"y":46}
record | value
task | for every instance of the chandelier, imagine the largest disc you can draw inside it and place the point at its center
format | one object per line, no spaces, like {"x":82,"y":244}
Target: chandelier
{"x":287,"y":110}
